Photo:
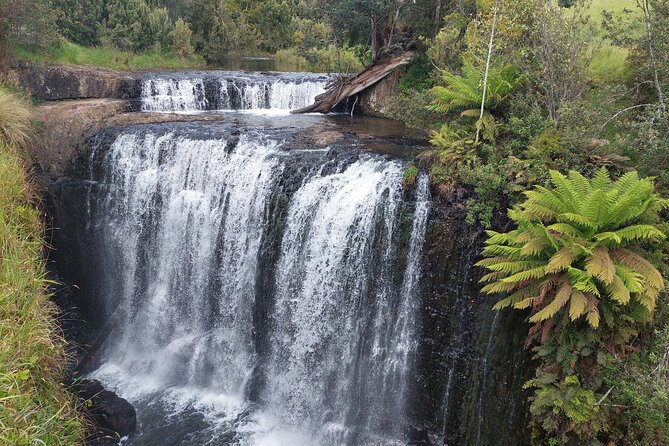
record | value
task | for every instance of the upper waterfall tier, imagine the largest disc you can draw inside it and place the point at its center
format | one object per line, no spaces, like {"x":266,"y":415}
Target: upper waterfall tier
{"x":213,"y":91}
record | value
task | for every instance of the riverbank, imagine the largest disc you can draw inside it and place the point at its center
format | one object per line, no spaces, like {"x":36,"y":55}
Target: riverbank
{"x":36,"y":408}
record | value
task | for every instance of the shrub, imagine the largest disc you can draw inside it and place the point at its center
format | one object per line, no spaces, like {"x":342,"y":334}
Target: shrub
{"x":15,"y":118}
{"x":575,"y":261}
{"x":181,"y":36}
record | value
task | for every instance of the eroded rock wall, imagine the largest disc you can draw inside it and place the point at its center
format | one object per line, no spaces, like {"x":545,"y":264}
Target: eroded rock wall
{"x":59,"y":82}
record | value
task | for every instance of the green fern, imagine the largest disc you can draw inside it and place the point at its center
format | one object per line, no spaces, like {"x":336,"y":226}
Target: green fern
{"x":575,"y":249}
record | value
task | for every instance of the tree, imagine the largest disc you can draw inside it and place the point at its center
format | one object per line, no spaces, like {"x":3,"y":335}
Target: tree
{"x":181,"y":36}
{"x":27,"y":23}
{"x":465,"y":94}
{"x":575,"y":248}
{"x":576,"y":262}
{"x":377,"y":14}
{"x":558,"y":54}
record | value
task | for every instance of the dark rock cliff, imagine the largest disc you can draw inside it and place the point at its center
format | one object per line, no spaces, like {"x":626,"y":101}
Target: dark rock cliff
{"x":58,"y":82}
{"x":471,"y":360}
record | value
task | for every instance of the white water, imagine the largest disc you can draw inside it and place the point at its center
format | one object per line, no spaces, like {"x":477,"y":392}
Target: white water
{"x":185,"y":224}
{"x":267,"y":95}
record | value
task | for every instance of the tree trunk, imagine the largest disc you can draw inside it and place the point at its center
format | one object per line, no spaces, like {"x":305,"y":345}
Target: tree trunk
{"x":487,"y":71}
{"x":651,"y":53}
{"x":350,"y":87}
{"x":375,"y":39}
{"x":438,"y":17}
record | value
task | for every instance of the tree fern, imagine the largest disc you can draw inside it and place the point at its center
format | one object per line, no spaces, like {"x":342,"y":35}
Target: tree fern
{"x":576,"y":249}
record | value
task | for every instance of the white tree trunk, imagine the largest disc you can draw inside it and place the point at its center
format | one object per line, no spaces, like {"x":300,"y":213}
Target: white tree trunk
{"x":487,"y":71}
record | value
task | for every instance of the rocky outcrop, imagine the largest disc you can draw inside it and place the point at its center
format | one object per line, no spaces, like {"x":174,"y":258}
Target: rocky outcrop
{"x":374,"y":100}
{"x":114,"y":416}
{"x":64,"y":127}
{"x":58,"y":82}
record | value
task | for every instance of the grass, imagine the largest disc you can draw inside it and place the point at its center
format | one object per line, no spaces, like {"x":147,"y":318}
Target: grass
{"x":35,"y":408}
{"x":69,"y":53}
{"x":608,"y":63}
{"x":597,"y":6}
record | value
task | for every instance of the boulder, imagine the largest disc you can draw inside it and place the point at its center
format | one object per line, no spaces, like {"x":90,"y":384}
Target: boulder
{"x":114,"y":416}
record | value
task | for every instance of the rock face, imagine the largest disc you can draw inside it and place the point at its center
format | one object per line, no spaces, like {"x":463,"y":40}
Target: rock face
{"x":51,"y":83}
{"x":65,"y":125}
{"x":114,"y":416}
{"x":374,"y":100}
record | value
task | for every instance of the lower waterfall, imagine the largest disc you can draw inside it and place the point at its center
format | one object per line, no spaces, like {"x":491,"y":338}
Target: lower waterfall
{"x":258,"y":295}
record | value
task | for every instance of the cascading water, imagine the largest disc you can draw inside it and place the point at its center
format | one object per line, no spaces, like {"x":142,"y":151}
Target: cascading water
{"x":264,"y":296}
{"x":231,"y":91}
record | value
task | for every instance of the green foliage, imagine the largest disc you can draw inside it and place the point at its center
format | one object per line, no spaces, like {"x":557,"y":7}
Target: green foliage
{"x":411,"y":108}
{"x":35,"y":408}
{"x":639,"y":401}
{"x":181,"y":36}
{"x":410,"y":176}
{"x":464,"y":94}
{"x":494,"y":185}
{"x":572,"y":248}
{"x":453,"y":146}
{"x":417,"y":76}
{"x":576,"y":262}
{"x":526,"y":121}
{"x":557,"y":403}
{"x":330,"y":58}
{"x":549,"y":151}
{"x":70,"y":53}
{"x":27,"y":23}
{"x":134,"y":24}
{"x":446,"y":49}
{"x":15,"y":117}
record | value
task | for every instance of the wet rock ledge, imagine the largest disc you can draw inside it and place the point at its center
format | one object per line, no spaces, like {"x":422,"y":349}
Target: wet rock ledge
{"x":59,"y":82}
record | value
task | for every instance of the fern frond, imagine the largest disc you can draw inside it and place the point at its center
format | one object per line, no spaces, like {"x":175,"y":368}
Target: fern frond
{"x":561,"y":260}
{"x":632,"y":280}
{"x":651,"y":276}
{"x":523,"y":276}
{"x":578,"y":219}
{"x":618,"y":291}
{"x":560,"y":300}
{"x":580,"y":280}
{"x":593,"y":312}
{"x":596,"y":208}
{"x":577,"y":305}
{"x":499,"y":287}
{"x":566,"y":229}
{"x":523,"y":293}
{"x":600,"y":265}
{"x":640,"y":232}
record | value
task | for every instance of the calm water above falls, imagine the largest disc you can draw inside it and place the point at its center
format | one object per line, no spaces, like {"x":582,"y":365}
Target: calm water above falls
{"x":263,"y":296}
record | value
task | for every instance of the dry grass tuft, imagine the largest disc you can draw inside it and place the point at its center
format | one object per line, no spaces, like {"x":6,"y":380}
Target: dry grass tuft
{"x":15,"y":118}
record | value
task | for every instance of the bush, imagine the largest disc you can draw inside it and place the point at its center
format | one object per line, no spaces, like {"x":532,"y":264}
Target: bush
{"x":418,"y":76}
{"x":576,"y":262}
{"x":181,"y":36}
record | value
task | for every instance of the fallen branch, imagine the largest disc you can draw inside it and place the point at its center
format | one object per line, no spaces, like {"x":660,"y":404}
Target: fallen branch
{"x":354,"y":85}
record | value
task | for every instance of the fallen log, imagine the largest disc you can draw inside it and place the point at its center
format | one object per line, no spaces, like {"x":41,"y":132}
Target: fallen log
{"x":354,"y":85}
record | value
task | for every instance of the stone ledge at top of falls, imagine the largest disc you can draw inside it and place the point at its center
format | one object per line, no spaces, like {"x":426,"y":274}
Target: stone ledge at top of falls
{"x":64,"y":82}
{"x":64,"y":126}
{"x":60,"y":82}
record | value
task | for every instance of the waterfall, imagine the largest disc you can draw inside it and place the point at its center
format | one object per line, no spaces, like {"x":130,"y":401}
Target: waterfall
{"x":263,"y":296}
{"x":221,"y":91}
